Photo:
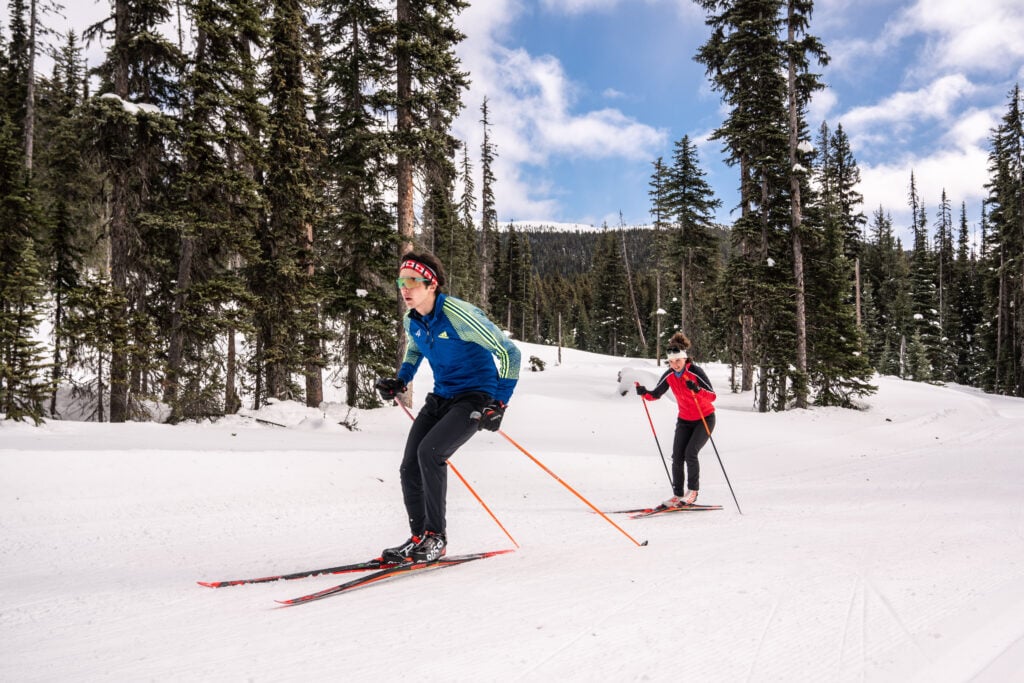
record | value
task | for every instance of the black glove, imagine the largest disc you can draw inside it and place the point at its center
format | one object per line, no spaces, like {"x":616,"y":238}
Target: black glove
{"x":389,"y":387}
{"x":641,"y":390}
{"x":692,"y":386}
{"x":491,"y":417}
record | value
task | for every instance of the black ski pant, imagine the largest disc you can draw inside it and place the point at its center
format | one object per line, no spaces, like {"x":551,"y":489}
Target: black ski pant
{"x":441,"y":427}
{"x":690,"y":438}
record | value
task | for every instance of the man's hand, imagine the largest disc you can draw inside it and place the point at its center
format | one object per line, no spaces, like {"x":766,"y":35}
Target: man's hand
{"x":389,"y":387}
{"x":491,"y":417}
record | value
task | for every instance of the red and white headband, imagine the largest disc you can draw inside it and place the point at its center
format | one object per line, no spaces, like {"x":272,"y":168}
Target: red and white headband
{"x":420,"y":268}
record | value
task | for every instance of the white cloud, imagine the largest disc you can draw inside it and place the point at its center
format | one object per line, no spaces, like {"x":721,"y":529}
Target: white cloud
{"x":959,"y":56}
{"x":955,"y":160}
{"x":960,"y":172}
{"x":974,"y":128}
{"x":597,"y":134}
{"x":822,"y":103}
{"x":578,"y":6}
{"x":685,"y":8}
{"x":933,"y":102}
{"x":532,"y":118}
{"x":981,"y":35}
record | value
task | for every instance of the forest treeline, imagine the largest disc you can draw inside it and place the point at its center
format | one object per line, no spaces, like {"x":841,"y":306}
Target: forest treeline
{"x":213,"y":215}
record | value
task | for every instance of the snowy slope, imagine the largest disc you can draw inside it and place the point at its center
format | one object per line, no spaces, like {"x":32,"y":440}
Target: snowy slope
{"x":877,"y":545}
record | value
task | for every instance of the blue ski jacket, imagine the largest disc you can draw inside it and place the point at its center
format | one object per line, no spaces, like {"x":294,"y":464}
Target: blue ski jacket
{"x":462,"y":345}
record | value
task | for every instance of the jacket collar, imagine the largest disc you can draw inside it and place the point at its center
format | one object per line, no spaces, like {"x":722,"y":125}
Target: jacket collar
{"x":434,"y":315}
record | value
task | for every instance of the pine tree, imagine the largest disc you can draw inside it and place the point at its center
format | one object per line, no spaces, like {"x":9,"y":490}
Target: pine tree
{"x":839,"y":367}
{"x":131,"y":144}
{"x":924,"y":302}
{"x":839,"y":370}
{"x":287,"y":319}
{"x":464,"y":280}
{"x":512,"y":290}
{"x":440,"y":213}
{"x":1003,"y":262}
{"x":427,"y":95}
{"x":692,"y":247}
{"x":499,"y":301}
{"x":800,"y":49}
{"x":92,"y":306}
{"x":661,"y":211}
{"x":842,"y":188}
{"x":610,"y":312}
{"x":488,"y":213}
{"x":37,"y":30}
{"x":216,"y":218}
{"x":520,"y":286}
{"x":945,"y":355}
{"x":65,"y":182}
{"x":23,"y":386}
{"x":358,"y":242}
{"x":963,"y":311}
{"x":745,"y":60}
{"x":887,"y":276}
{"x":16,"y":67}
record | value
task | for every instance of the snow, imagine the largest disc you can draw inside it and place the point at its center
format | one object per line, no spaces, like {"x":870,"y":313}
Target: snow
{"x":555,"y":226}
{"x":132,"y":107}
{"x":878,"y":545}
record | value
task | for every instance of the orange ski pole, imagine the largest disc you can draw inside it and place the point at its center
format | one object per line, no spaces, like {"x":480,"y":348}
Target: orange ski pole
{"x":574,"y":492}
{"x":480,"y":500}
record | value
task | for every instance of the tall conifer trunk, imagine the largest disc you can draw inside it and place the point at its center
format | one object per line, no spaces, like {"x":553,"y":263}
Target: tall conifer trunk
{"x":404,"y":162}
{"x":404,"y":121}
{"x":746,"y":317}
{"x":119,"y":238}
{"x":30,"y":90}
{"x":796,"y":218}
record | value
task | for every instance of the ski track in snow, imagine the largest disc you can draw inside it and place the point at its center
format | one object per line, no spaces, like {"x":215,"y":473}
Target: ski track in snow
{"x":869,"y":549}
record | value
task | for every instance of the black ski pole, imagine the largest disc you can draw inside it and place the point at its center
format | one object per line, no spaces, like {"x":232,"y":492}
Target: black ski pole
{"x":712,"y":440}
{"x":656,"y":442}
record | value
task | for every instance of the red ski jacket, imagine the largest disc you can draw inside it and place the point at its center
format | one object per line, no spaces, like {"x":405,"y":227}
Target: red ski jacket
{"x":688,"y":407}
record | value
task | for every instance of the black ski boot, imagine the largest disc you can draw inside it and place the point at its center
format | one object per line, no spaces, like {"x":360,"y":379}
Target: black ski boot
{"x":432,"y":547}
{"x":400,"y":553}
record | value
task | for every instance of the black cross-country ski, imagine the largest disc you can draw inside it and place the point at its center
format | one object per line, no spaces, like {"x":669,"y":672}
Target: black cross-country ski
{"x":341,"y":569}
{"x":396,"y":570}
{"x":662,"y":510}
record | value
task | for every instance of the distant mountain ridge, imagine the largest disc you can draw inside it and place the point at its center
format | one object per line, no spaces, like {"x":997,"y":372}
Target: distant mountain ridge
{"x":556,"y":226}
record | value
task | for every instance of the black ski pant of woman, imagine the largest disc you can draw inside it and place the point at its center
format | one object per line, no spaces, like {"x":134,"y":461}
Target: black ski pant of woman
{"x":690,"y":438}
{"x":441,"y":427}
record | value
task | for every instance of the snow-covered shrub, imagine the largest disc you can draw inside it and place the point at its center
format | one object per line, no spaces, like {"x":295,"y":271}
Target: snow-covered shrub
{"x":629,"y":376}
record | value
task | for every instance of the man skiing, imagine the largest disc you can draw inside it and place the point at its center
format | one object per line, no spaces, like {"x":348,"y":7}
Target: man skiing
{"x":470,"y":393}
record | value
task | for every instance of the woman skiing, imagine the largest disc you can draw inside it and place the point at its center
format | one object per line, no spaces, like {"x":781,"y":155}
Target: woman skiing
{"x":470,"y":393}
{"x":695,"y":396}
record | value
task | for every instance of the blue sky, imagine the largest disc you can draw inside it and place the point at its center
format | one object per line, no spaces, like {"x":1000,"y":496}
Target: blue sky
{"x":586,"y":94}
